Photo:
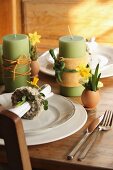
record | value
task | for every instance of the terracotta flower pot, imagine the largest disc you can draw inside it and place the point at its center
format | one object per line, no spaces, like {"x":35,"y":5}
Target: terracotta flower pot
{"x":90,"y":98}
{"x":35,"y":67}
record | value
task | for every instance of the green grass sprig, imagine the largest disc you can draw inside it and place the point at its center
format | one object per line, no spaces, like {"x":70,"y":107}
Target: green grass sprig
{"x":59,"y":66}
{"x":93,"y":80}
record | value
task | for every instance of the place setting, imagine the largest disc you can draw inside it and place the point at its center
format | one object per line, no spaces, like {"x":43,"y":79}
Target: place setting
{"x":61,"y":114}
{"x":44,"y":128}
{"x":48,"y":117}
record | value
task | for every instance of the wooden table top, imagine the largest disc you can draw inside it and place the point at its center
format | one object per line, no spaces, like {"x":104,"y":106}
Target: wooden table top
{"x":52,"y":156}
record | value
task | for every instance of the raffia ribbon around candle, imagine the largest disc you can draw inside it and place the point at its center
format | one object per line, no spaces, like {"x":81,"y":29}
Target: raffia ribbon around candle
{"x":16,"y":61}
{"x":71,"y":79}
{"x":13,"y":65}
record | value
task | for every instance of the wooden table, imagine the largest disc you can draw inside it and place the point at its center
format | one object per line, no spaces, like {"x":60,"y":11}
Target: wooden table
{"x":52,"y":156}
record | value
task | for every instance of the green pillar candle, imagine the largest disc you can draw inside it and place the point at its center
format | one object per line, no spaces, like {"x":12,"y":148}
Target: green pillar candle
{"x":14,"y":46}
{"x":1,"y":66}
{"x":72,"y":47}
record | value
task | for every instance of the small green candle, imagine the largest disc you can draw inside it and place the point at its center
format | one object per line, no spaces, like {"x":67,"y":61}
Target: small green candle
{"x":15,"y":46}
{"x":1,"y":66}
{"x":72,"y":46}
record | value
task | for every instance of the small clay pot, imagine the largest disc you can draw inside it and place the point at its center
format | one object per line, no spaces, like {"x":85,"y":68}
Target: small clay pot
{"x":90,"y":98}
{"x":35,"y":67}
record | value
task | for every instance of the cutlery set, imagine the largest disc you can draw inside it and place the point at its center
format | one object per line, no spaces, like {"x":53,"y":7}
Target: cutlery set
{"x":102,"y":123}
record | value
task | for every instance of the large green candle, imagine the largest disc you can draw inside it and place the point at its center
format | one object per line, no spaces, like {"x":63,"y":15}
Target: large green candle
{"x":74,"y":48}
{"x":16,"y":73}
{"x":1,"y":66}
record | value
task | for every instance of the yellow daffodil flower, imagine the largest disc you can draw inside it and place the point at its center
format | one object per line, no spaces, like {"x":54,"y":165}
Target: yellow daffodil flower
{"x":79,"y":67}
{"x":89,"y":79}
{"x":34,"y":38}
{"x":34,"y":82}
{"x":84,"y":71}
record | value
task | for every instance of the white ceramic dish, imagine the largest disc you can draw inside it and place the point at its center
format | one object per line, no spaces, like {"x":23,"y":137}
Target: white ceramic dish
{"x":71,"y":126}
{"x":53,"y":117}
{"x":60,"y":110}
{"x":101,"y":54}
{"x":62,"y":119}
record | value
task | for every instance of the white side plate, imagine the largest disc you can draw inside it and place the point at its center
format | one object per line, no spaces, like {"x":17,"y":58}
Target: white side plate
{"x":101,"y":54}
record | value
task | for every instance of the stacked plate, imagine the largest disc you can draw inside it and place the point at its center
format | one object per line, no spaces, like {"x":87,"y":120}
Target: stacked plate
{"x":99,"y":54}
{"x":62,"y":119}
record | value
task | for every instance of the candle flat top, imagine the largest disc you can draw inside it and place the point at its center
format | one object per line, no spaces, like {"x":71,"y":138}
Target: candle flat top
{"x":70,"y":38}
{"x":14,"y":37}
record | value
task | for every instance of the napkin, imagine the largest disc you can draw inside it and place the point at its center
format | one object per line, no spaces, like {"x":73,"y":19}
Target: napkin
{"x":46,"y":90}
{"x":49,"y":58}
{"x":22,"y":109}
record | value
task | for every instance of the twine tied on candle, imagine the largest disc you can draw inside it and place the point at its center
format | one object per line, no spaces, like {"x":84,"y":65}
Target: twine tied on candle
{"x":66,"y":69}
{"x":59,"y":66}
{"x":22,"y":60}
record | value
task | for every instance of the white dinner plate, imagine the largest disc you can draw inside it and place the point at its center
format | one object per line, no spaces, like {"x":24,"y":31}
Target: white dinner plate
{"x":70,"y":127}
{"x":101,"y":54}
{"x":62,"y":119}
{"x":46,"y":120}
{"x":60,"y":110}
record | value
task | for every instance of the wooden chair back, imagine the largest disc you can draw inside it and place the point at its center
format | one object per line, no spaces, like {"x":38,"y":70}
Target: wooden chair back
{"x":11,"y":131}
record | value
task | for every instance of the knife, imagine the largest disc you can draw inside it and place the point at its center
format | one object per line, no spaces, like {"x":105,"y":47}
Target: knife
{"x":92,"y":126}
{"x":87,"y":147}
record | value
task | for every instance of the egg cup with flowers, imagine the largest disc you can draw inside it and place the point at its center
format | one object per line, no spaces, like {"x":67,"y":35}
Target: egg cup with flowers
{"x":34,"y":39}
{"x":90,"y":79}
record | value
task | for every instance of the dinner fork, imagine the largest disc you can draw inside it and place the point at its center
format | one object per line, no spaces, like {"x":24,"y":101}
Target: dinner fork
{"x":105,"y":125}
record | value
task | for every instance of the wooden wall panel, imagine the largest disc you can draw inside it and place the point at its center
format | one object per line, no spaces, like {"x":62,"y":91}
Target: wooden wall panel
{"x":5,"y":18}
{"x":10,"y":17}
{"x":51,"y":18}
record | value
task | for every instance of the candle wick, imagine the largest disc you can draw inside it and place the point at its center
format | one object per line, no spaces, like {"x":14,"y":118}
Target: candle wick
{"x":70,"y":32}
